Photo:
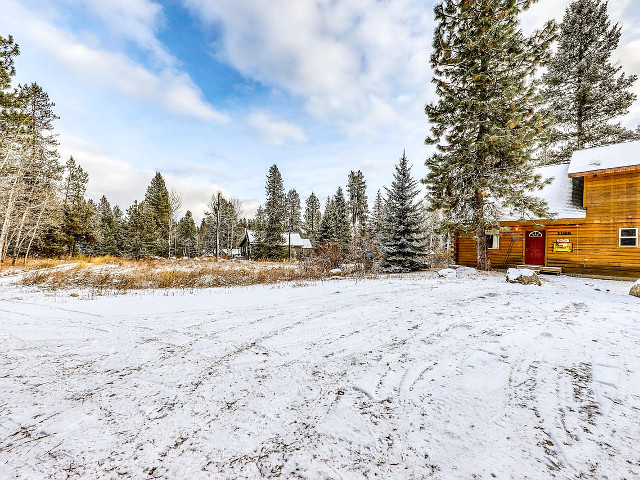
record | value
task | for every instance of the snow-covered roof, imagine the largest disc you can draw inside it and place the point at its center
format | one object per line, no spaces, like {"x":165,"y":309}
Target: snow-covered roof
{"x":557,"y":194}
{"x":296,"y":239}
{"x":604,"y":158}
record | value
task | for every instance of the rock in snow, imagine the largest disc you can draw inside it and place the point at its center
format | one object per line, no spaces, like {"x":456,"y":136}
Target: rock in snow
{"x":523,"y":276}
{"x":635,"y":289}
{"x":447,"y":273}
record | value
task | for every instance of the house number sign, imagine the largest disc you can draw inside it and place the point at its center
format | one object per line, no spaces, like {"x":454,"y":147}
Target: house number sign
{"x":564,"y":234}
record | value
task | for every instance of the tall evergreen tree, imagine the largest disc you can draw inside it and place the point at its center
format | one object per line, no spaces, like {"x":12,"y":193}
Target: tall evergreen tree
{"x":486,"y":122}
{"x":158,"y":202}
{"x":312,"y":217}
{"x":377,"y":219}
{"x":327,"y":228}
{"x":293,"y":212}
{"x":74,"y":205}
{"x":258,"y":225}
{"x":275,"y":214}
{"x":107,"y":243}
{"x":141,"y":236}
{"x":342,"y":227}
{"x":187,"y":236}
{"x":358,"y":207}
{"x":403,"y":234}
{"x":119,"y":229}
{"x":585,"y":92}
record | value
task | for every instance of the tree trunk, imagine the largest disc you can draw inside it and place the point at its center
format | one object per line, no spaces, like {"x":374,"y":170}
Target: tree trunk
{"x":482,"y":255}
{"x":4,"y":233}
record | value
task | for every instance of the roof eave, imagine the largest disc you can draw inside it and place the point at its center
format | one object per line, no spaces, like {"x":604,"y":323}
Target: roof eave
{"x":629,"y":168}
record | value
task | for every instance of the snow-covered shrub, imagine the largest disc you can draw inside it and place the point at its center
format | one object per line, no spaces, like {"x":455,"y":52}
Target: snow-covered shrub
{"x":635,"y":289}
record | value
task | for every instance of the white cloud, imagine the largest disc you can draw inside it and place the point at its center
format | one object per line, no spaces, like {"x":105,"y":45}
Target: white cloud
{"x":170,"y":89}
{"x":273,"y":131}
{"x":348,"y":60}
{"x":137,"y":20}
{"x":122,"y":183}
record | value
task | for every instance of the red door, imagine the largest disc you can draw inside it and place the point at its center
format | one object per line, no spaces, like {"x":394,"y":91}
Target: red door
{"x":534,"y":248}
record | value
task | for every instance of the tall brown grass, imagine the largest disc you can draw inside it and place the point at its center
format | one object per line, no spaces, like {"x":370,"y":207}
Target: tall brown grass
{"x":104,"y":275}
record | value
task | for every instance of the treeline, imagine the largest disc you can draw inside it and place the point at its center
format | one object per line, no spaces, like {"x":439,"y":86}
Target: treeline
{"x":398,"y":230}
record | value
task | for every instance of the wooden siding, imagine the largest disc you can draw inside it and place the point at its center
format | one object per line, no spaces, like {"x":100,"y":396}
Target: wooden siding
{"x":612,"y":201}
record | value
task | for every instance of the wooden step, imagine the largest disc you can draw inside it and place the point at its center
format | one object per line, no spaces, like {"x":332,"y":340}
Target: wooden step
{"x":542,"y":269}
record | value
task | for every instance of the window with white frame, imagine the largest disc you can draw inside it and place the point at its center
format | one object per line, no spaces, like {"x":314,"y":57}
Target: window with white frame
{"x":628,"y":237}
{"x":493,"y":241}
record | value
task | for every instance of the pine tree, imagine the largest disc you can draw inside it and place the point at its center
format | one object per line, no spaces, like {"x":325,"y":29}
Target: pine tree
{"x":187,"y":235}
{"x":119,"y":229}
{"x":258,"y":225}
{"x":312,"y":217}
{"x":275,"y":214}
{"x":157,"y":200}
{"x":403,"y":235}
{"x":141,"y":236}
{"x":358,"y":207}
{"x":342,"y":227}
{"x":584,"y":90}
{"x":327,"y":228}
{"x":107,"y":243}
{"x":486,"y":122}
{"x":293,"y":212}
{"x":74,"y":205}
{"x":377,"y":219}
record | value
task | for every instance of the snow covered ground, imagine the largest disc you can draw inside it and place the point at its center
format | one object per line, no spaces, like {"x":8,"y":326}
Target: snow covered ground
{"x":401,"y":377}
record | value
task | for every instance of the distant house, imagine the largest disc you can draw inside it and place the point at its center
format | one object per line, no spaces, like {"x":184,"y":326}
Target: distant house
{"x":595,"y":201}
{"x":299,"y":246}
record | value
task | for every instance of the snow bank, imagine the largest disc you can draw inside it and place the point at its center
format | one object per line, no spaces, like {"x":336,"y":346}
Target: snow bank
{"x":463,"y":272}
{"x":458,"y":272}
{"x":447,"y":273}
{"x":523,"y":275}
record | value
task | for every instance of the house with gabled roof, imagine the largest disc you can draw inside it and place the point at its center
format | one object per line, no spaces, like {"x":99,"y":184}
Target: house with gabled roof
{"x":299,"y":246}
{"x":593,"y":229}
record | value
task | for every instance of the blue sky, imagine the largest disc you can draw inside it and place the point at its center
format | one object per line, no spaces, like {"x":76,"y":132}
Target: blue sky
{"x":213,"y":92}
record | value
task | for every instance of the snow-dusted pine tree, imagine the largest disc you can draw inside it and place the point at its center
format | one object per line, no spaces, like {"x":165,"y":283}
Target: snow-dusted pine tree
{"x":275,"y":214}
{"x":403,"y":236}
{"x":158,"y":201}
{"x":376,"y":224}
{"x":293,"y":212}
{"x":326,"y":230}
{"x":342,"y":229}
{"x":358,"y":207}
{"x":187,"y":236}
{"x":585,"y":92}
{"x":486,"y":123}
{"x":312,"y":217}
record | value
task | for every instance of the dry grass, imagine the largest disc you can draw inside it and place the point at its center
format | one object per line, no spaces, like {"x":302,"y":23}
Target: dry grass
{"x":104,"y":275}
{"x":32,"y":264}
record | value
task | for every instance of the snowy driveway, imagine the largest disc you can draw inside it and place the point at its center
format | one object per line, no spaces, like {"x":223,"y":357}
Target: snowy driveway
{"x":406,"y":377}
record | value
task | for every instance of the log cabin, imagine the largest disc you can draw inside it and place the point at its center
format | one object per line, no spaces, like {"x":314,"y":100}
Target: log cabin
{"x":595,"y":222}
